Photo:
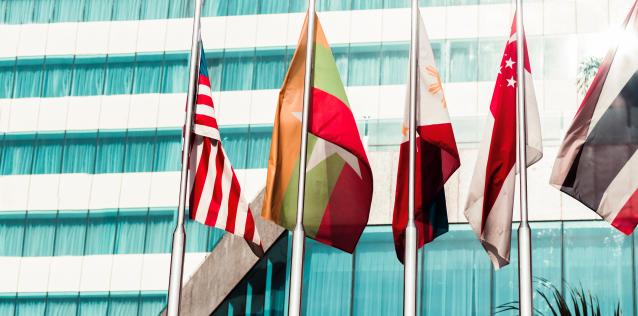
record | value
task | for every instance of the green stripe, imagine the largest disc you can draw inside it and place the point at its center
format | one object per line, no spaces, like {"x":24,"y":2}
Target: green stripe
{"x":326,"y":76}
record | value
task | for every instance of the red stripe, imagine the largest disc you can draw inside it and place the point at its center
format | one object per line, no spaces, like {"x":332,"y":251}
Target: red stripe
{"x":627,"y":218}
{"x":203,"y":80}
{"x":200,"y":179}
{"x":204,"y":99}
{"x":215,"y":203}
{"x":249,"y":230}
{"x":233,"y":201}
{"x":201,"y":119}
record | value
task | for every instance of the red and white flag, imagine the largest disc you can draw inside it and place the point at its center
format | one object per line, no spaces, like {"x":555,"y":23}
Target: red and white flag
{"x":216,"y":199}
{"x":491,"y":196}
{"x":436,"y":155}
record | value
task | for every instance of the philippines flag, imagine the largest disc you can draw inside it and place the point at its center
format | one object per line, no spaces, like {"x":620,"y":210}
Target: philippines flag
{"x":491,"y":196}
{"x":216,"y":199}
{"x":597,"y":163}
{"x":436,"y":155}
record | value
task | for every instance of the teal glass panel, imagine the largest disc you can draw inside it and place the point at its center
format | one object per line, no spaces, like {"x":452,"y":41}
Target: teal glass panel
{"x":7,"y":304}
{"x":61,"y":306}
{"x":334,"y":5}
{"x":214,"y":236}
{"x":57,"y":78}
{"x":463,"y":61}
{"x":28,"y":82}
{"x":47,"y":158}
{"x":432,"y":3}
{"x":88,"y":76}
{"x":238,"y":70}
{"x":327,"y":284}
{"x":71,"y":233}
{"x":110,"y":152}
{"x":242,"y":7}
{"x":214,"y":61}
{"x":364,"y":66}
{"x":119,"y":75}
{"x":273,"y":6}
{"x":17,"y":154}
{"x":505,"y":288}
{"x":546,"y":257}
{"x":214,"y":7}
{"x":30,"y":306}
{"x":79,"y":153}
{"x":175,"y":73}
{"x":131,"y":231}
{"x":391,"y":4}
{"x":439,"y":51}
{"x":11,"y":233}
{"x":456,"y":275}
{"x":100,"y":10}
{"x":270,"y":69}
{"x":367,"y":4}
{"x":100,"y":233}
{"x":148,"y":74}
{"x":126,"y":10}
{"x":235,"y":142}
{"x":139,"y":152}
{"x":43,"y":11}
{"x":394,"y":64}
{"x":180,"y":9}
{"x":606,"y":277}
{"x":19,"y":11}
{"x":70,"y":10}
{"x":7,"y":72}
{"x":168,"y":151}
{"x":298,"y":6}
{"x":159,"y":230}
{"x":378,"y":275}
{"x":489,"y":58}
{"x":259,"y":147}
{"x":123,"y":306}
{"x":39,"y":234}
{"x":92,"y":305}
{"x":151,"y":305}
{"x":196,"y":236}
{"x":154,"y":9}
{"x":341,"y":55}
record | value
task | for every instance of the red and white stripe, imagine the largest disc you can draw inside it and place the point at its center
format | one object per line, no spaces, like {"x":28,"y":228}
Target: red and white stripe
{"x":205,"y":121}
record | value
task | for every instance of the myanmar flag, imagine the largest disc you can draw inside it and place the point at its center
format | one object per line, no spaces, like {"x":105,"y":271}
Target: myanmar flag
{"x":338,"y":175}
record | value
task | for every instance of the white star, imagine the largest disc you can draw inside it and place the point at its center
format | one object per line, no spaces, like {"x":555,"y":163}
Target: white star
{"x":512,"y":38}
{"x":499,"y":69}
{"x":509,"y":63}
{"x":511,"y":82}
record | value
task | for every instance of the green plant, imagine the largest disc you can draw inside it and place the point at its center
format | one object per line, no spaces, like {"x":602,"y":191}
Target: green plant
{"x":586,"y":73}
{"x":579,"y":303}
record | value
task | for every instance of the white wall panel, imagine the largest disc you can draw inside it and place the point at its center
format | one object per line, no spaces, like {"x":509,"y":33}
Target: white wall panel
{"x":14,"y":192}
{"x":10,"y":35}
{"x":143,"y":110}
{"x":9,"y":272}
{"x":264,"y":105}
{"x":481,"y":106}
{"x":114,"y":111}
{"x":122,"y":37}
{"x":192,"y":261}
{"x":96,"y":273}
{"x":34,"y":274}
{"x":171,"y":110}
{"x":559,"y":17}
{"x":126,"y":273}
{"x":61,"y":39}
{"x":93,"y":37}
{"x":241,"y":31}
{"x":213,"y":32}
{"x":366,"y":26}
{"x":459,"y":97}
{"x":233,"y":108}
{"x":462,"y":21}
{"x":5,"y":113}
{"x":495,"y":20}
{"x":391,"y":102}
{"x":396,"y":25}
{"x":52,"y":114}
{"x":381,"y":208}
{"x":43,"y":192}
{"x":269,"y":29}
{"x":434,"y":19}
{"x":336,"y":26}
{"x":75,"y":191}
{"x":105,"y":191}
{"x":135,"y":189}
{"x":24,"y":114}
{"x":295,"y":22}
{"x":364,"y":101}
{"x":84,"y":113}
{"x":544,"y":200}
{"x":33,"y":40}
{"x":155,"y":272}
{"x":151,"y":35}
{"x":533,"y":18}
{"x":164,"y":189}
{"x":65,"y":274}
{"x":253,"y":181}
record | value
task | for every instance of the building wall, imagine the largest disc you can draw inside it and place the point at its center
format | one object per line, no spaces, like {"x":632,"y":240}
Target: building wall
{"x":91,"y":107}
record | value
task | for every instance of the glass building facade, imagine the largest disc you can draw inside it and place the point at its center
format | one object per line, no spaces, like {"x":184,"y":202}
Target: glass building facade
{"x":91,"y":110}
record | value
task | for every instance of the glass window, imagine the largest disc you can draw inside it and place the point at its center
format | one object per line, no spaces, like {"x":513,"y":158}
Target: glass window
{"x":341,"y":55}
{"x":364,"y":66}
{"x":148,"y":74}
{"x":238,"y":70}
{"x":69,"y":10}
{"x":79,"y":153}
{"x":490,"y":54}
{"x":57,"y":77}
{"x":559,"y":60}
{"x":28,"y":305}
{"x":333,"y":5}
{"x":242,"y":7}
{"x":7,"y":71}
{"x":259,"y":148}
{"x":367,"y":4}
{"x":168,"y":151}
{"x":119,"y":74}
{"x":11,"y":233}
{"x":123,"y":305}
{"x":394,"y":64}
{"x":28,"y":82}
{"x":139,"y":151}
{"x":101,"y":10}
{"x":390,"y":4}
{"x":131,"y":232}
{"x":214,"y":62}
{"x":88,"y":76}
{"x":48,"y":153}
{"x":154,"y":9}
{"x":214,"y":7}
{"x":71,"y":233}
{"x":100,"y":232}
{"x":159,"y":230}
{"x":235,"y":142}
{"x":180,"y":9}
{"x":7,"y":301}
{"x":298,"y":5}
{"x":151,"y":305}
{"x":175,"y":73}
{"x":432,"y":3}
{"x":126,"y":10}
{"x":19,"y":11}
{"x":110,"y":152}
{"x":463,"y":64}
{"x":17,"y":154}
{"x":39,"y":234}
{"x":58,"y":306}
{"x":196,"y":236}
{"x":270,"y":69}
{"x":43,"y":11}
{"x":91,"y":304}
{"x":273,"y":6}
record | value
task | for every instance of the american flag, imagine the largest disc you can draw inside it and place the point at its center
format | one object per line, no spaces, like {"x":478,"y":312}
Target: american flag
{"x":216,"y":198}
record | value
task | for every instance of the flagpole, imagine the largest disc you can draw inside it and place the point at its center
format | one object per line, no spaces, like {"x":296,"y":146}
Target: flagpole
{"x":524,"y":232}
{"x":410,"y":259}
{"x":298,"y":234}
{"x":179,"y":234}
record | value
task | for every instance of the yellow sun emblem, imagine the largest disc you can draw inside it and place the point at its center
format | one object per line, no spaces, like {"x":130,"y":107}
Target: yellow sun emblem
{"x":437,"y":86}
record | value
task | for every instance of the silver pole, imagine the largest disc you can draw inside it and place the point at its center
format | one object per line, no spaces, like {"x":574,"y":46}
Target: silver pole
{"x":410,"y":258}
{"x":298,"y":234}
{"x":524,"y":232}
{"x":179,"y":235}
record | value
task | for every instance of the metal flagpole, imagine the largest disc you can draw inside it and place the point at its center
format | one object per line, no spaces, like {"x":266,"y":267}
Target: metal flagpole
{"x":410,"y":258}
{"x":298,"y":234}
{"x":179,"y":235}
{"x":524,"y":232}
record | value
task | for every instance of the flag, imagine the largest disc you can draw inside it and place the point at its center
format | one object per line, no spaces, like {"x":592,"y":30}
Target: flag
{"x":597,"y":163}
{"x":491,"y":195}
{"x":436,"y":155}
{"x":216,"y":198}
{"x":338,"y":176}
